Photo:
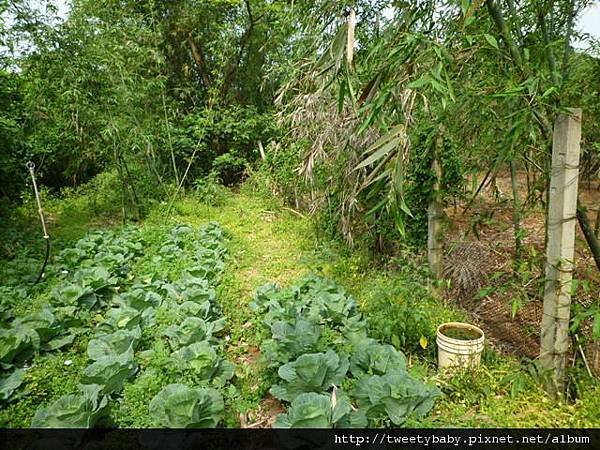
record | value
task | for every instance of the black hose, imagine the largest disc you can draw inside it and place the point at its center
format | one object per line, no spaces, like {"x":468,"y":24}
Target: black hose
{"x":45,"y":261}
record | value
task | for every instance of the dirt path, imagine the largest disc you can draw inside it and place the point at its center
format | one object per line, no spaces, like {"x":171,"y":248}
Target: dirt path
{"x":266,"y":245}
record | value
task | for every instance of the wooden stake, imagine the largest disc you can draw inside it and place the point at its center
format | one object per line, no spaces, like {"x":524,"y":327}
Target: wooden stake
{"x":560,"y":248}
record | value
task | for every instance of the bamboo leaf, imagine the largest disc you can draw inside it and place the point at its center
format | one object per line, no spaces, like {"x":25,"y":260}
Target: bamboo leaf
{"x":369,"y":89}
{"x":491,"y":40}
{"x":376,"y":208}
{"x":341,"y":96}
{"x":549,"y":91}
{"x":394,"y":132}
{"x":404,"y":208}
{"x":384,"y":150}
{"x":464,"y":6}
{"x":420,"y":82}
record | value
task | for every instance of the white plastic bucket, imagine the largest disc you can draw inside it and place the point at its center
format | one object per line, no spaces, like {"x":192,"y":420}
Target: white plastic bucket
{"x":458,"y":353}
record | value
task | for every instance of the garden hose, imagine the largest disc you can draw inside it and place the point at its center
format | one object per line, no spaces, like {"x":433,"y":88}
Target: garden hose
{"x":31,"y":166}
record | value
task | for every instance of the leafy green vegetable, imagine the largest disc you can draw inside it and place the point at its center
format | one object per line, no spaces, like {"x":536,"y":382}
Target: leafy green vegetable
{"x":313,"y":299}
{"x":179,"y":406}
{"x":331,"y":298}
{"x":372,"y":358}
{"x":75,"y":295}
{"x":96,"y":278}
{"x":201,"y":310}
{"x":39,"y":330}
{"x":10,"y":383}
{"x":204,"y":361}
{"x":355,"y":329}
{"x":58,"y":342}
{"x":112,"y":249}
{"x":192,"y":329}
{"x":72,"y":411}
{"x":110,"y":372}
{"x":311,"y":410}
{"x":43,"y":322}
{"x":8,"y":298}
{"x":114,"y":344}
{"x":290,"y":341}
{"x":194,"y":289}
{"x":122,"y":318}
{"x":312,"y":372}
{"x":395,"y":394}
{"x":265,"y":298}
{"x":140,"y":299}
{"x":17,"y":344}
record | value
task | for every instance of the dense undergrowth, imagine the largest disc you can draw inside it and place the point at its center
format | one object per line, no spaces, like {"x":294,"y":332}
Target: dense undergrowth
{"x":115,"y":345}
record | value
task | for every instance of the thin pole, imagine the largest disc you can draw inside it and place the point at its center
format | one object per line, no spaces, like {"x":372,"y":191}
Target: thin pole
{"x":31,"y":166}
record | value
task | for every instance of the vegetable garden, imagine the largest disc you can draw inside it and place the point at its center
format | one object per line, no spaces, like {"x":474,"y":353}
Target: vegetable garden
{"x":150,"y":327}
{"x":256,"y":213}
{"x":143,"y":325}
{"x":120,"y":317}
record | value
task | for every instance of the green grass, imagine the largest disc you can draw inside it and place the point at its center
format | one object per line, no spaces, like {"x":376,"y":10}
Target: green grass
{"x":270,"y":243}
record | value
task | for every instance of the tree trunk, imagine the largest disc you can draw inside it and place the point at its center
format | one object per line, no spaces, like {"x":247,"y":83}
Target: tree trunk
{"x":516,"y":213}
{"x":198,"y":56}
{"x":590,"y":237}
{"x":435,"y":213}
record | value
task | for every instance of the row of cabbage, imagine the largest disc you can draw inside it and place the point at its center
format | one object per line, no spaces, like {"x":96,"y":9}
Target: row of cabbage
{"x":314,"y":328}
{"x":103,"y":283}
{"x":87,"y":275}
{"x":192,"y":321}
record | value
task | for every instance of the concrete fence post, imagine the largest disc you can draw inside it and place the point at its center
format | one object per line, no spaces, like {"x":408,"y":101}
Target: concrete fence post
{"x":560,"y":249}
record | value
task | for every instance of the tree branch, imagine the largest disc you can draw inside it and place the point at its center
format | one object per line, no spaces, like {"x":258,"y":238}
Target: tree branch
{"x":500,"y":23}
{"x":198,"y":56}
{"x":548,"y":48}
{"x":232,"y":68}
{"x":567,"y":49}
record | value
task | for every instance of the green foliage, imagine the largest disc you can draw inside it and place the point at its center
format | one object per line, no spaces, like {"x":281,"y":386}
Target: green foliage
{"x":318,"y":301}
{"x":34,"y":332}
{"x":209,"y":190}
{"x":280,"y":247}
{"x":311,"y":372}
{"x":420,"y":180}
{"x":312,"y":410}
{"x":397,"y":315}
{"x":179,"y":406}
{"x":395,"y":394}
{"x":227,"y":139}
{"x":202,"y":359}
{"x":280,"y":170}
{"x":580,"y":315}
{"x":9,"y":383}
{"x":372,"y":358}
{"x":191,"y":330}
{"x":110,"y":372}
{"x":73,"y":411}
{"x":113,"y":345}
{"x":98,"y":289}
{"x":12,"y":158}
{"x":296,"y":316}
{"x":289,"y":341}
